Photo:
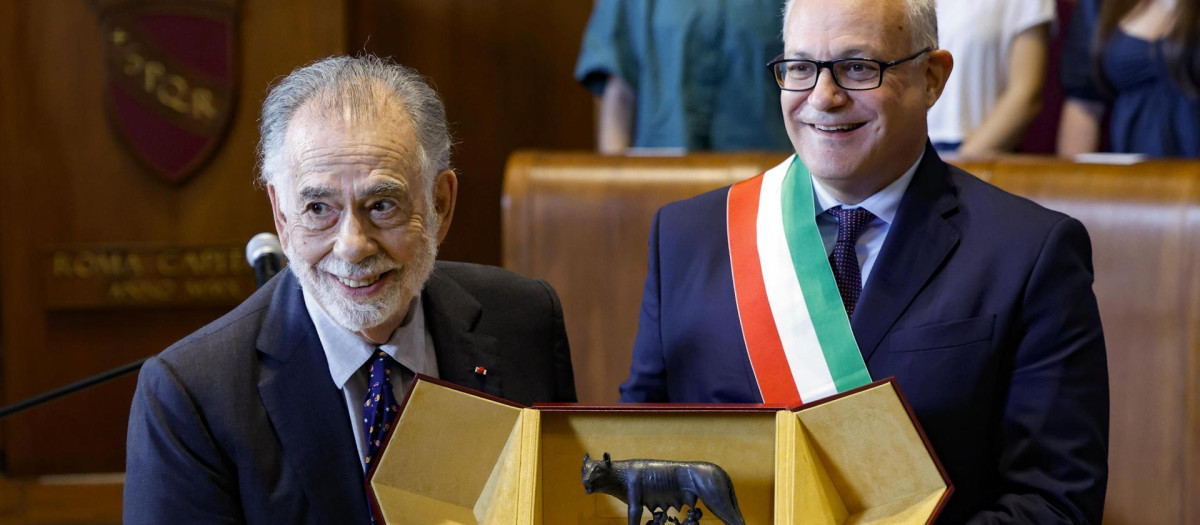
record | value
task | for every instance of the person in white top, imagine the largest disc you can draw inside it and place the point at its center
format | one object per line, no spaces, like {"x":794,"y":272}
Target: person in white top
{"x":999,"y":49}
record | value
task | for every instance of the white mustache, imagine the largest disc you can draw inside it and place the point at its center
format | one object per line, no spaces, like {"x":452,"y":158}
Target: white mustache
{"x":369,"y":267}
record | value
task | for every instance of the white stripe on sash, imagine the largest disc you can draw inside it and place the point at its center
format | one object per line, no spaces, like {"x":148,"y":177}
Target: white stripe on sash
{"x":796,"y":330}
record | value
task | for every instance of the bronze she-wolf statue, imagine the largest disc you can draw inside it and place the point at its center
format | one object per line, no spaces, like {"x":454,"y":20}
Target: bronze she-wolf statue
{"x":657,"y":484}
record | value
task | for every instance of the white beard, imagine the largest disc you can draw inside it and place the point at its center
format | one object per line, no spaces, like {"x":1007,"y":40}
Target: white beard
{"x":397,"y":293}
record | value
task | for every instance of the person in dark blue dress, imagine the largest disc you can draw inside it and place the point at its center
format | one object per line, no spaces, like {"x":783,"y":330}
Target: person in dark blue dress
{"x":1139,"y":61}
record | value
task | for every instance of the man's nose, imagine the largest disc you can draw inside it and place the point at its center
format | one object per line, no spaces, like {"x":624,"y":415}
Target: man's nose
{"x":826,"y":94}
{"x":354,"y":242}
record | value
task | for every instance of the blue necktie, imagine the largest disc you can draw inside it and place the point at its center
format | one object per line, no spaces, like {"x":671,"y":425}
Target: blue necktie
{"x":844,"y":259}
{"x":379,"y":406}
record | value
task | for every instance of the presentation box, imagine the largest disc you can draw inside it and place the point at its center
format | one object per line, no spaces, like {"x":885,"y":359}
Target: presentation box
{"x":456,"y":456}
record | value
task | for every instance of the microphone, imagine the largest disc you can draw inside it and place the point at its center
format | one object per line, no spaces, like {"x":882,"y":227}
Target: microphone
{"x":265,"y":254}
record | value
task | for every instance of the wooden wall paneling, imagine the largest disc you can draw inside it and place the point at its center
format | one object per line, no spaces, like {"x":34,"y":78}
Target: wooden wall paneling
{"x":65,"y":500}
{"x":68,"y":181}
{"x":1191,"y":406}
{"x":23,"y":324}
{"x":504,"y":69}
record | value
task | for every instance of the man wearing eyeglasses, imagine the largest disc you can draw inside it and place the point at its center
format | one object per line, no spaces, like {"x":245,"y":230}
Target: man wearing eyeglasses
{"x":864,"y":256}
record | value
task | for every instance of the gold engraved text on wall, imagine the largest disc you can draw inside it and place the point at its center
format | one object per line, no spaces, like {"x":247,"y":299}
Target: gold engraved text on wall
{"x":103,"y":277}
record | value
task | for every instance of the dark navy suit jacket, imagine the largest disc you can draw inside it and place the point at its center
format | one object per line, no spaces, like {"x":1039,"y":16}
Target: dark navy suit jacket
{"x":979,"y":304}
{"x":241,"y":422}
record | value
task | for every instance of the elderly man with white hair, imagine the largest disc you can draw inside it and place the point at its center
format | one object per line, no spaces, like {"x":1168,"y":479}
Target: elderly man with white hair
{"x":273,"y":413}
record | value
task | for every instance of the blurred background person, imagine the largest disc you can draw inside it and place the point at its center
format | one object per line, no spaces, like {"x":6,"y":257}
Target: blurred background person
{"x":1139,"y":61}
{"x":1000,"y":53}
{"x":683,"y":74}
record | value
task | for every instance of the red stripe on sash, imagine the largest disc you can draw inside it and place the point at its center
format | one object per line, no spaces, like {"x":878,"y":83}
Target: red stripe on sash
{"x":771,"y":369}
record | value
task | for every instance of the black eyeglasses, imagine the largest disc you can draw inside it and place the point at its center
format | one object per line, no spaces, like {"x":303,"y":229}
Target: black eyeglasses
{"x":854,"y":74}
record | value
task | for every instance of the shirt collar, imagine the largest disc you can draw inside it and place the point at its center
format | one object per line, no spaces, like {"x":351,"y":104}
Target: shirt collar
{"x":882,"y":204}
{"x":346,"y":352}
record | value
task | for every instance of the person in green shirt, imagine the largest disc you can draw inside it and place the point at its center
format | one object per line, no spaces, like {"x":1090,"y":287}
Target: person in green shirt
{"x":684,"y":74}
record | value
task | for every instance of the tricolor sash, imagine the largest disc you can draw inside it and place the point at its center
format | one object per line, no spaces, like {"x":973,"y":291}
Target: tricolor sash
{"x":795,"y":327}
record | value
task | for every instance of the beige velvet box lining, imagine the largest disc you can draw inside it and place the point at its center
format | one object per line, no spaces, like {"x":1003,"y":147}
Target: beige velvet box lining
{"x":466,"y":459}
{"x":857,"y":458}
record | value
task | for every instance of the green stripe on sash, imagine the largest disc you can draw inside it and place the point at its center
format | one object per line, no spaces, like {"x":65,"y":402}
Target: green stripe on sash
{"x":825,"y":307}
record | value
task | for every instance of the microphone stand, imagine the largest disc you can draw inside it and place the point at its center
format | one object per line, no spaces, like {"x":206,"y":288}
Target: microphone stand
{"x":46,"y":397}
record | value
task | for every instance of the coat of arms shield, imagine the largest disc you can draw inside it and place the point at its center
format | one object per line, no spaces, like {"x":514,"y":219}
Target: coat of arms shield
{"x":172,"y":78}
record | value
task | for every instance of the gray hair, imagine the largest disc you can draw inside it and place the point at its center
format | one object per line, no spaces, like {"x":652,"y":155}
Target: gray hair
{"x":922,"y":18}
{"x":358,"y":86}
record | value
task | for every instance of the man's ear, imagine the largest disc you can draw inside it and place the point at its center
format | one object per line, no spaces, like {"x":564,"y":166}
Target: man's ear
{"x":278,"y":216}
{"x":937,"y":72}
{"x":445,"y":195}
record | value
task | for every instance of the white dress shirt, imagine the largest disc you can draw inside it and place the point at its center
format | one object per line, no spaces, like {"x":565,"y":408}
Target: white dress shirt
{"x":347,"y":354}
{"x":883,"y":205}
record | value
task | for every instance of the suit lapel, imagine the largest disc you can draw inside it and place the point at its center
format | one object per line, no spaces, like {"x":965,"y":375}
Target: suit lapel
{"x":917,"y":244}
{"x":308,"y":410}
{"x":453,"y":316}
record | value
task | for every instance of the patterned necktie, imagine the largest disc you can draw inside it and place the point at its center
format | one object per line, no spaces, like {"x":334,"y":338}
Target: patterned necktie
{"x":844,"y":259}
{"x":379,"y":407}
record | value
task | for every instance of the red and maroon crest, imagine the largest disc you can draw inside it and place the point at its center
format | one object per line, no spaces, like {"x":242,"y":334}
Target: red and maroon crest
{"x":172,"y":79}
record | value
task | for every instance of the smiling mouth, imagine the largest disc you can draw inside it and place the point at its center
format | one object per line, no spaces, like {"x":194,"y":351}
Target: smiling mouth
{"x":838,"y":128}
{"x":361,"y":282}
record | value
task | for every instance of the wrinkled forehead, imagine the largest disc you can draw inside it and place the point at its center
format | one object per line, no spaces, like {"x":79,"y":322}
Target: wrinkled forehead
{"x":349,"y":113}
{"x":351,"y":103}
{"x":324,"y":136}
{"x":826,"y":29}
